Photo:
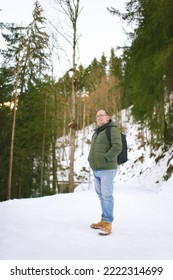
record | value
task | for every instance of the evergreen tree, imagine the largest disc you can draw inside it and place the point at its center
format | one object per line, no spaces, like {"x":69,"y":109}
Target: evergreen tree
{"x":148,"y":79}
{"x":115,"y":65}
{"x":27,"y":47}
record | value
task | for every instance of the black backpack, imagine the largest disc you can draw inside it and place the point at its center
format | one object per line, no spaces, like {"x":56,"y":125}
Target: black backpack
{"x":122,"y":157}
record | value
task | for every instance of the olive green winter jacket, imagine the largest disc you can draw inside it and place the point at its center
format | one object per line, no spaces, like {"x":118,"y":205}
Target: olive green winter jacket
{"x":103,"y":154}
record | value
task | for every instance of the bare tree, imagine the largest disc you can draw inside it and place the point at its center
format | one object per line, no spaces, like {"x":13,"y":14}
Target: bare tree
{"x":72,"y":11}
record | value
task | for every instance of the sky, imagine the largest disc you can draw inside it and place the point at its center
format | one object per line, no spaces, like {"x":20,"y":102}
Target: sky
{"x":98,"y":30}
{"x":55,"y":231}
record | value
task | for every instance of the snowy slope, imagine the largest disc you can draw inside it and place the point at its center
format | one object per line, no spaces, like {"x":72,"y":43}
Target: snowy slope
{"x":57,"y":227}
{"x":141,"y":167}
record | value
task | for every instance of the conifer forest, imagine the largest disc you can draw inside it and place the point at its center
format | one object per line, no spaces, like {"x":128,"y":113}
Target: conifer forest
{"x":37,"y":107}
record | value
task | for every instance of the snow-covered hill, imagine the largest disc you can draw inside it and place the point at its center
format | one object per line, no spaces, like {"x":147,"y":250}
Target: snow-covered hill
{"x":146,"y":167}
{"x":57,"y":227}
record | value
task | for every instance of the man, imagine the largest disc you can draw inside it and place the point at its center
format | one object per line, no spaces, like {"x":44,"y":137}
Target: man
{"x":103,"y":161}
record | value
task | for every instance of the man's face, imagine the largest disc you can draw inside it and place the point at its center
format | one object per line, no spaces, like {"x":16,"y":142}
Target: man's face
{"x":102,"y":118}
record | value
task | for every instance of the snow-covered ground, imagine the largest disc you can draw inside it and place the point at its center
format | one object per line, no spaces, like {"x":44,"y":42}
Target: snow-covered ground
{"x":58,"y":227}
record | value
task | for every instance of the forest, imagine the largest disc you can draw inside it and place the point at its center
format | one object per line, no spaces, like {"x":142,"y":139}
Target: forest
{"x":36,"y":108}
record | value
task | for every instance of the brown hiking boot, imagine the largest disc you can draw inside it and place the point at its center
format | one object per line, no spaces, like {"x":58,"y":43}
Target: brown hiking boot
{"x":99,"y":225}
{"x":106,"y":228}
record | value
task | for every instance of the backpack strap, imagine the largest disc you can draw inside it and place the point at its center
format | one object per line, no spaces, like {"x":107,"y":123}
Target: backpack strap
{"x":122,"y":157}
{"x":108,"y":132}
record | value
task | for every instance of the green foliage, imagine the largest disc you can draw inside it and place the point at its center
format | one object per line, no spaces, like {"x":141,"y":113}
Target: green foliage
{"x":6,"y":84}
{"x":147,"y":65}
{"x":115,"y":65}
{"x":26,"y":57}
{"x":31,"y":126}
{"x":5,"y":134}
{"x":94,"y":73}
{"x":27,"y":47}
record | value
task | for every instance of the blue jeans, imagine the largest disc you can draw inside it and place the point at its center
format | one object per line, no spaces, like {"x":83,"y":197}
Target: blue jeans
{"x":104,"y":186}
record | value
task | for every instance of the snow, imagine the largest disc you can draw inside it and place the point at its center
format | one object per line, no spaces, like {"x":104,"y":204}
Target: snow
{"x":58,"y":227}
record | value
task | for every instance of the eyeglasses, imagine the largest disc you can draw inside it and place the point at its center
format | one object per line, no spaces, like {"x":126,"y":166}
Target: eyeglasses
{"x":101,"y":116}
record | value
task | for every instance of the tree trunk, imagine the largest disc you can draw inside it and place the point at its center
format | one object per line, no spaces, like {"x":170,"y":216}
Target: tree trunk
{"x":43,"y":147}
{"x":54,"y":138}
{"x":13,"y":133}
{"x":73,"y":17}
{"x":71,"y":9}
{"x":72,"y":129}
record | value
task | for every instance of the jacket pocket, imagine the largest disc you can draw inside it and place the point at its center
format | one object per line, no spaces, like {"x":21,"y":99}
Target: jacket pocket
{"x":101,"y":161}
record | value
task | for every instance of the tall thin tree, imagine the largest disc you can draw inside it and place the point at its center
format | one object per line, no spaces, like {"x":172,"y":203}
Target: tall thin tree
{"x":13,"y":130}
{"x":72,"y":11}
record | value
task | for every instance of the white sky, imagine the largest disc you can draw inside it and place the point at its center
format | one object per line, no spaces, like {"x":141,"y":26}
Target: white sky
{"x":99,"y":30}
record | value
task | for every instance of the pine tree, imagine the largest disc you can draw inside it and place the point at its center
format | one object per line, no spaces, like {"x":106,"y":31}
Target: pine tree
{"x":147,"y":64}
{"x":30,"y":142}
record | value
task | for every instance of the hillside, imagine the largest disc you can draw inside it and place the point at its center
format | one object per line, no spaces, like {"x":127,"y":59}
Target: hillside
{"x":152,"y":169}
